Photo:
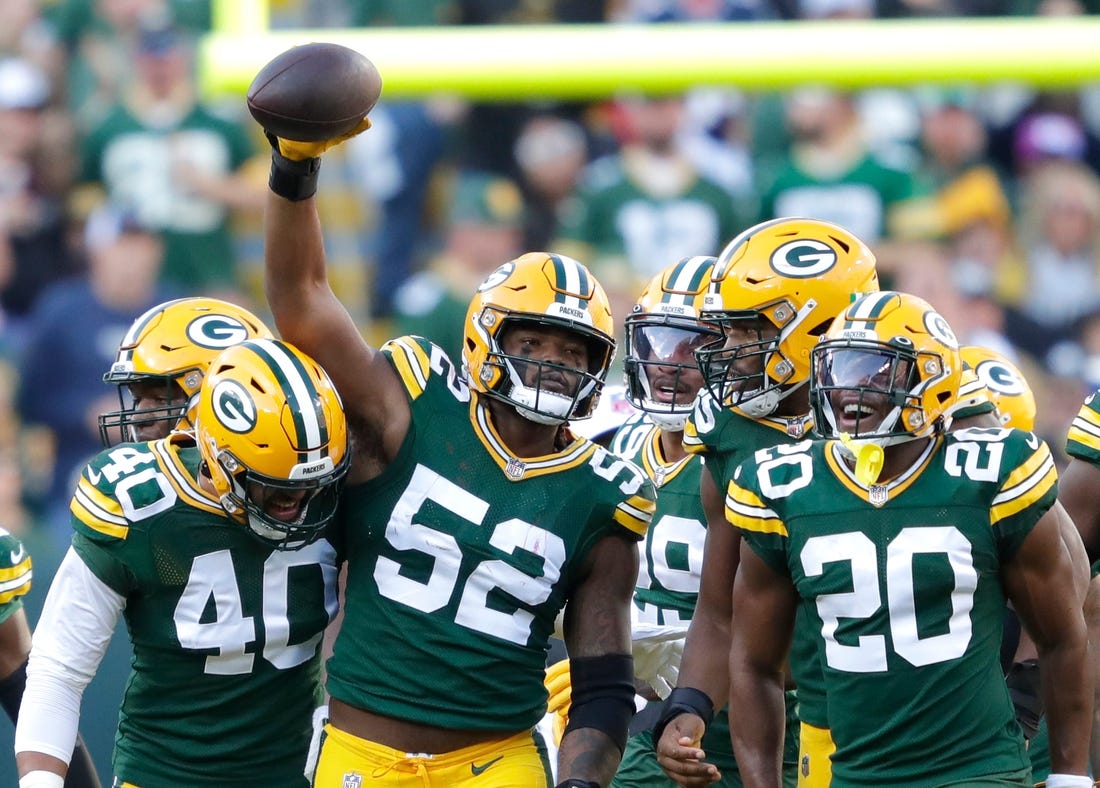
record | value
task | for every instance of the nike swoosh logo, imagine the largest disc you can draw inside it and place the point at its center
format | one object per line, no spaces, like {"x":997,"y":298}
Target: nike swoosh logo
{"x":94,"y":476}
{"x":18,"y":555}
{"x":1033,"y":441}
{"x":476,"y":770}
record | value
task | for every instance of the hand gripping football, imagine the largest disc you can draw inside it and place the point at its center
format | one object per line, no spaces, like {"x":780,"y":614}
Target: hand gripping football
{"x":314,"y":92}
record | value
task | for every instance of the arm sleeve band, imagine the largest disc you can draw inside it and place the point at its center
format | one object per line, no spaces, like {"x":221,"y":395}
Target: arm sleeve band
{"x":684,"y":700}
{"x":292,"y":180}
{"x":603,"y":695}
{"x":72,"y":635}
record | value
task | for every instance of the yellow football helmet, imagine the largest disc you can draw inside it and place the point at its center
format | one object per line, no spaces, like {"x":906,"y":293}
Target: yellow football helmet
{"x":538,"y":290}
{"x":1005,"y":386}
{"x":773,"y":292}
{"x":173,"y":343}
{"x":662,"y":334}
{"x":273,"y":436}
{"x":887,"y":371}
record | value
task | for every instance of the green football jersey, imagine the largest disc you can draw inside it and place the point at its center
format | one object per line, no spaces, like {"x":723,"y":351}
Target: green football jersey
{"x":900,"y":592}
{"x":1083,"y":438}
{"x":460,"y":556}
{"x":672,"y":552}
{"x":226,"y":630}
{"x":15,"y":574}
{"x":668,"y":581}
{"x":726,"y":437}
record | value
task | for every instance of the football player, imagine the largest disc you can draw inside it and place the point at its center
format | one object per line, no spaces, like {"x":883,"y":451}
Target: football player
{"x":474,"y":518}
{"x":896,"y":542}
{"x":161,"y":363}
{"x":216,"y":548}
{"x":663,"y":379}
{"x":1077,"y":492}
{"x":774,"y":291}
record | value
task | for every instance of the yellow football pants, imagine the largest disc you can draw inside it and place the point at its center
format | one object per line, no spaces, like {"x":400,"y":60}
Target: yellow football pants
{"x":815,"y":767}
{"x":347,"y":760}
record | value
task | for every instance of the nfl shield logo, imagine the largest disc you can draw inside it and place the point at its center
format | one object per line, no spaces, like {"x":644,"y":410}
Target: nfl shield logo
{"x":352,"y":780}
{"x":878,"y":495}
{"x":515,"y":468}
{"x":659,"y":475}
{"x":805,"y":765}
{"x":796,"y":428}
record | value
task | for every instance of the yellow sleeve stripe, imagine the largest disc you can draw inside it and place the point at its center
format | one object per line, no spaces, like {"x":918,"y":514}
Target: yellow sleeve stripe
{"x":1085,"y":428}
{"x":411,"y":362}
{"x":99,"y":512}
{"x":691,"y":441}
{"x":1024,"y":486}
{"x":635,"y":514}
{"x":15,"y":581}
{"x":745,"y":510}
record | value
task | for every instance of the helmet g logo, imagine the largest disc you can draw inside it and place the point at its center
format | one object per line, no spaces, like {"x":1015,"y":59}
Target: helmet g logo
{"x":940,"y":329}
{"x":233,"y":406}
{"x":1001,"y":379}
{"x":217,"y":331}
{"x":803,"y":259}
{"x":497,"y":277}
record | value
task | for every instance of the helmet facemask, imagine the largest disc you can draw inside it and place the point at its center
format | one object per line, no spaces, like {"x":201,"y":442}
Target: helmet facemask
{"x":750,"y":374}
{"x":662,"y":376}
{"x":871,"y":392}
{"x":238,"y":486}
{"x":123,"y":425}
{"x":542,"y":391}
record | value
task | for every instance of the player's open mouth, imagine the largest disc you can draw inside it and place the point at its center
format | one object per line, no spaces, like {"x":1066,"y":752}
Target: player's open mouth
{"x":858,"y":414}
{"x":285,"y":511}
{"x":669,"y":393}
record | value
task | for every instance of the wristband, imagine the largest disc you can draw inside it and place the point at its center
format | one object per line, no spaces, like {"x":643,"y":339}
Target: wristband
{"x":1061,"y":781}
{"x":40,"y":778}
{"x":572,"y":782}
{"x":292,"y":180}
{"x":684,"y":700}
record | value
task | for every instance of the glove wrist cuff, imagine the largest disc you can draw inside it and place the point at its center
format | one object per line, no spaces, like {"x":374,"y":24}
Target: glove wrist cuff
{"x":293,"y":180}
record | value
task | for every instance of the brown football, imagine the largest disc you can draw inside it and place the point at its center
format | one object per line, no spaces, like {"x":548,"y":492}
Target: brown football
{"x":314,"y":92}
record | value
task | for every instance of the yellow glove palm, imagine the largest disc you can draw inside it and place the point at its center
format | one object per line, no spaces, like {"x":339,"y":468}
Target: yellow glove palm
{"x":300,"y":151}
{"x":560,"y":686}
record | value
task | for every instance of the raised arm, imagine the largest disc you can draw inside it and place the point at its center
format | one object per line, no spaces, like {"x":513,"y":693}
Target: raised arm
{"x":309,"y":315}
{"x":1039,"y":580}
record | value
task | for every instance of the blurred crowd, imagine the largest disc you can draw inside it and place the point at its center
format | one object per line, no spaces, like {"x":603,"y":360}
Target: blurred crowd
{"x":121,"y":186}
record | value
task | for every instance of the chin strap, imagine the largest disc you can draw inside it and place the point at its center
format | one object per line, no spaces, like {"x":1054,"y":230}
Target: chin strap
{"x":868,"y":456}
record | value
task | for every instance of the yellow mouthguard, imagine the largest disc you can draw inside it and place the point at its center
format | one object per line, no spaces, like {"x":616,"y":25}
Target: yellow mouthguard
{"x":869,"y":457}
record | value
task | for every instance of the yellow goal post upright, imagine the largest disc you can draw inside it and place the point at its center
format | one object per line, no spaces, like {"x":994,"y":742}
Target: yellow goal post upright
{"x":509,"y":62}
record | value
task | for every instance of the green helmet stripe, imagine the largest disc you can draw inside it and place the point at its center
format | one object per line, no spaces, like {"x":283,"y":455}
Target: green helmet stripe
{"x":303,"y":398}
